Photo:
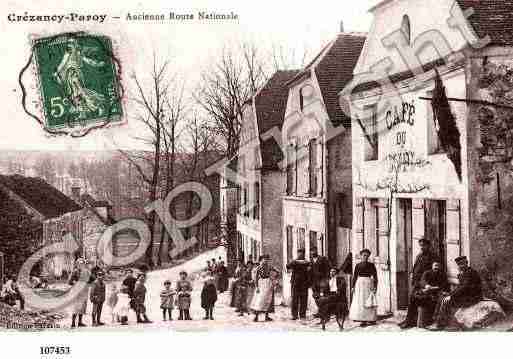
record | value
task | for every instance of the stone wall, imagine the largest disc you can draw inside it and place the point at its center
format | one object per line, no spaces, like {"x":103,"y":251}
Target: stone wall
{"x":492,"y":163}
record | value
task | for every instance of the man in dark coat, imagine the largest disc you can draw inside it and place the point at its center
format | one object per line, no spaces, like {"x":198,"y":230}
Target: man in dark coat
{"x":434,"y":284}
{"x":300,"y":281}
{"x":320,"y":270}
{"x":130,"y":281}
{"x":97,"y":297}
{"x":467,"y":293}
{"x":422,"y":264}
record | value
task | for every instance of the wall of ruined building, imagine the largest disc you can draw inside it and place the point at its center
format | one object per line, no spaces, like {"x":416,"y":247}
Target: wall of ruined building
{"x":491,"y":154}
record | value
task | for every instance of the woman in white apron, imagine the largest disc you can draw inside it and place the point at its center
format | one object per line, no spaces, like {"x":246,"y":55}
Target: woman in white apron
{"x":263,"y":299}
{"x":364,"y":284}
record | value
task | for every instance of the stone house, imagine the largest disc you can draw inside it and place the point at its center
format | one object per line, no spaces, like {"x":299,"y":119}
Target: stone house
{"x":59,"y":215}
{"x":431,"y":146}
{"x":262,"y":185}
{"x":317,"y":141}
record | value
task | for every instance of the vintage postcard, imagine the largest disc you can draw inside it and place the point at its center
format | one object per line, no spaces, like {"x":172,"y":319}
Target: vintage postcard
{"x":187,"y":167}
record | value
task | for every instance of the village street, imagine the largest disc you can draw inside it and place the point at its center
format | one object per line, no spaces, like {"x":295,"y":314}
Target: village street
{"x":225,"y":318}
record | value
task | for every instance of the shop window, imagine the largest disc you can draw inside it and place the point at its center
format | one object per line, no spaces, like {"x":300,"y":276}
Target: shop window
{"x":371,"y":133}
{"x":433,"y":128}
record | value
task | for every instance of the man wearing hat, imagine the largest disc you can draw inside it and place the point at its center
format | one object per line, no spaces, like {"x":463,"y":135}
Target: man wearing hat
{"x":299,"y":283}
{"x":467,"y":293}
{"x":423,"y":263}
{"x":97,"y":297}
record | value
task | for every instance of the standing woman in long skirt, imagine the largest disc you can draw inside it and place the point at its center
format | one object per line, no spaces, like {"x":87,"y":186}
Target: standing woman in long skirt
{"x":364,"y":284}
{"x":263,"y":299}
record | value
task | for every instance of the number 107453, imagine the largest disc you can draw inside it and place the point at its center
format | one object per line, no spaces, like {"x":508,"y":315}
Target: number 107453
{"x":49,"y":350}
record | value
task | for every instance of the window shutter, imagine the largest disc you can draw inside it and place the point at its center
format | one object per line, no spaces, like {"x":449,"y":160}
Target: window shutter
{"x":320,"y":167}
{"x":383,"y":232}
{"x":453,"y":235}
{"x":369,"y":226}
{"x":359,"y":226}
{"x":417,"y":227}
{"x":295,"y":191}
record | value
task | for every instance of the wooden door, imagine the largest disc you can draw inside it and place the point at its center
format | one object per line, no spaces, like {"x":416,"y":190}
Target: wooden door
{"x":382,"y":255}
{"x":405,"y":211}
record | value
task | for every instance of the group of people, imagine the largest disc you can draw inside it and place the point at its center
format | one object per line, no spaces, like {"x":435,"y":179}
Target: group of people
{"x":131,"y":296}
{"x":254,"y":287}
{"x":431,"y":301}
{"x":11,"y":293}
{"x":220,"y":273}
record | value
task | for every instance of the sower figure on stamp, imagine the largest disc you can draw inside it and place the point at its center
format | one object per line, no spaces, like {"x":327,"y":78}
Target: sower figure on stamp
{"x":467,"y":293}
{"x":320,"y":271}
{"x":299,"y":283}
{"x":97,"y":297}
{"x":423,"y":263}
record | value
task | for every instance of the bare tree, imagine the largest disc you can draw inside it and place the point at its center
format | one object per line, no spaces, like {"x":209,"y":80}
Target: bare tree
{"x":224,"y":88}
{"x":151,"y":100}
{"x":175,"y":112}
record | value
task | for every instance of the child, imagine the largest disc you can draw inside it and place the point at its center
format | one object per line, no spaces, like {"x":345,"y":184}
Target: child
{"x":166,"y":300}
{"x":112,"y":301}
{"x":183,"y":298}
{"x":123,"y":305}
{"x":209,"y":297}
{"x":139,"y":300}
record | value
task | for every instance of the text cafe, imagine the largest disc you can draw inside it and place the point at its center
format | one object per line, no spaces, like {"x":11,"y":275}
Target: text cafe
{"x":405,"y":186}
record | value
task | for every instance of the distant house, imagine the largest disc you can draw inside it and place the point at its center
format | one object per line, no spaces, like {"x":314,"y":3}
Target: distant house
{"x":259,"y":218}
{"x":64,"y":219}
{"x":317,"y":139}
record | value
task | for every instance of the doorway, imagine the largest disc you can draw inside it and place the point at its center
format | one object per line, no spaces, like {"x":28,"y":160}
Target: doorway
{"x":435,"y":222}
{"x":404,"y":251}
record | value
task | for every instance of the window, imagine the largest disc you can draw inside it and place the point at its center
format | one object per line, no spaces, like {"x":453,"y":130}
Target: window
{"x":301,"y":99}
{"x":371,"y":133}
{"x":245,"y":199}
{"x":256,"y":209}
{"x":301,"y":239}
{"x":321,"y":248}
{"x":312,"y":239}
{"x":290,"y":170}
{"x":289,"y":243}
{"x":406,"y":28}
{"x":433,"y":140}
{"x":312,"y":167}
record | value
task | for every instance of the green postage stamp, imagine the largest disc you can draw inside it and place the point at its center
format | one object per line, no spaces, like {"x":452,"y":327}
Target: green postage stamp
{"x":78,"y":80}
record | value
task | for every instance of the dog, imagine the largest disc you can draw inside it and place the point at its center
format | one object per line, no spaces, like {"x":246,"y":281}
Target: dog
{"x":329,"y":305}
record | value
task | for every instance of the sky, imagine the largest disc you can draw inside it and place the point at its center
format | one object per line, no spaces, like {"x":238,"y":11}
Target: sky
{"x":191,"y":46}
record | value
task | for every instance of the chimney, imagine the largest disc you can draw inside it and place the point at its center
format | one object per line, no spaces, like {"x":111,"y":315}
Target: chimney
{"x":341,"y":25}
